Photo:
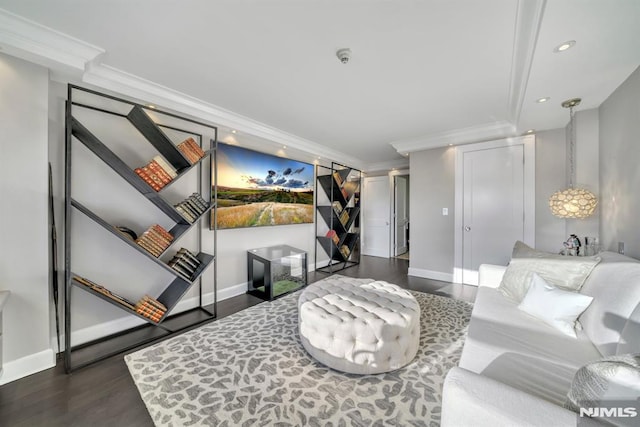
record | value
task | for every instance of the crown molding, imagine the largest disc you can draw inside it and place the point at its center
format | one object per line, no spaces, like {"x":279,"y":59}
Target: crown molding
{"x":44,"y":46}
{"x":119,"y":81}
{"x":387,"y":166}
{"x":466,"y":135}
{"x":528,"y":21}
{"x":69,"y":59}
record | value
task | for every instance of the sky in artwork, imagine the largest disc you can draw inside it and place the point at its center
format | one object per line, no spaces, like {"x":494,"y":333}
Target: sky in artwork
{"x":239,"y":167}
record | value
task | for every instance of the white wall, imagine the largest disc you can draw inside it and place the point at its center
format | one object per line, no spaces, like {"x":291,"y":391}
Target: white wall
{"x":619,"y":172}
{"x":24,"y":251}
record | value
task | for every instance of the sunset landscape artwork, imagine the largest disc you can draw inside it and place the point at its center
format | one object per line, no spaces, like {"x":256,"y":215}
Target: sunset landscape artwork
{"x":257,"y":189}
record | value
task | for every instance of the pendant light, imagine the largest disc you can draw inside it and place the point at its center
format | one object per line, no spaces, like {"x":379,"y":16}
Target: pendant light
{"x":573,"y":202}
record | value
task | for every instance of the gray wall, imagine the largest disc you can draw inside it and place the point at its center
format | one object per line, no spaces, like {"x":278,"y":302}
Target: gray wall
{"x":24,"y":252}
{"x":586,"y":165}
{"x":620,"y":167}
{"x":550,"y":177}
{"x":432,"y":188}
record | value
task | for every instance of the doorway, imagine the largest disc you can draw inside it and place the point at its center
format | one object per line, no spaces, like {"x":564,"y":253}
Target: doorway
{"x":401,"y":216}
{"x":494,"y":203}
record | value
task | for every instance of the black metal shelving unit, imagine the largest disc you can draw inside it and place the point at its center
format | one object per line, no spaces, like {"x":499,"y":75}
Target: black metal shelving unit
{"x":82,"y":355}
{"x":341,"y":186}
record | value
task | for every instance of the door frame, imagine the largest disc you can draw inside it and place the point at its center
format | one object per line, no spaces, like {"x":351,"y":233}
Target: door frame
{"x":363,"y":235}
{"x":394,"y":243}
{"x":528,"y":143}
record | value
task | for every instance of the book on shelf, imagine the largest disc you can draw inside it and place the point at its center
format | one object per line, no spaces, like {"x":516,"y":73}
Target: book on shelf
{"x":155,"y":240}
{"x":104,"y":291}
{"x":337,"y":207}
{"x":185,"y":263}
{"x":334,"y":236}
{"x":191,"y":150}
{"x":338,"y":178}
{"x":157,"y":173}
{"x":192,"y":207}
{"x":166,"y":166}
{"x":344,"y":250}
{"x":185,"y":214}
{"x":344,"y":217}
{"x":151,"y":308}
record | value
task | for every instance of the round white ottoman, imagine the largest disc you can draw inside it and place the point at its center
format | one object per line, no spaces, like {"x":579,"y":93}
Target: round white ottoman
{"x":359,"y":326}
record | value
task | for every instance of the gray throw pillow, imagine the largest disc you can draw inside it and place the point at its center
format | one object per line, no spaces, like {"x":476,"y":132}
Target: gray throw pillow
{"x":564,"y":272}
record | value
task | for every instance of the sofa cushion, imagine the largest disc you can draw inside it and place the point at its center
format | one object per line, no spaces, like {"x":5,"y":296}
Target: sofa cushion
{"x":510,"y":346}
{"x":630,"y":336}
{"x":565,"y":272}
{"x":553,"y":306}
{"x":615,"y":286}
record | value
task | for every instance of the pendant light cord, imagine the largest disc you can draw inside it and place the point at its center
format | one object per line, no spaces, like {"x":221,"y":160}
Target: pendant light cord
{"x":571,"y":146}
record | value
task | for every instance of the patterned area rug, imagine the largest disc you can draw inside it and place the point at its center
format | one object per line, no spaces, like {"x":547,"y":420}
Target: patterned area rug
{"x":249,"y":369}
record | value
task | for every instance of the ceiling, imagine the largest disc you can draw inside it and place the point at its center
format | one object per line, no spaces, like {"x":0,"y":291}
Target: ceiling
{"x":422,"y":74}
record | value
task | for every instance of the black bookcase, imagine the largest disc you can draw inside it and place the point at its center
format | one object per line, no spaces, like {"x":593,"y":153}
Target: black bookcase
{"x":155,"y":134}
{"x":338,"y":216}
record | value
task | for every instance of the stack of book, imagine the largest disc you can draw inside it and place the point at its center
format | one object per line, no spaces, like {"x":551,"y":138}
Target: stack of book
{"x":104,"y":291}
{"x":192,"y":207}
{"x":344,"y":217}
{"x":338,"y":178}
{"x":337,"y":207}
{"x":155,"y":240}
{"x":334,"y":236}
{"x":191,"y":150}
{"x":344,"y":250}
{"x":150,"y":308}
{"x":157,"y":173}
{"x":185,"y":263}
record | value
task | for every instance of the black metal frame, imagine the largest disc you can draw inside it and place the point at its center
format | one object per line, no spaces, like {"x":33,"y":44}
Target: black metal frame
{"x":151,"y":331}
{"x":328,"y":246}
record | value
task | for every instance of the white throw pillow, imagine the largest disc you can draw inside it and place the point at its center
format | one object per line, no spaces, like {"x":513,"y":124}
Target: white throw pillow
{"x":565,"y":272}
{"x":554,"y":306}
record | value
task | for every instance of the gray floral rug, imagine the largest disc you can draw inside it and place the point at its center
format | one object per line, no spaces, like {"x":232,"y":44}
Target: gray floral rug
{"x":249,"y":369}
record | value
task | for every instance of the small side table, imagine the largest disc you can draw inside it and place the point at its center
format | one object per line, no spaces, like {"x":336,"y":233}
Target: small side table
{"x":275,"y":271}
{"x":4,"y":296}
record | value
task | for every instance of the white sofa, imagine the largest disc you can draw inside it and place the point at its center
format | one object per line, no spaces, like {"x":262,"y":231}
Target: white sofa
{"x":516,"y":370}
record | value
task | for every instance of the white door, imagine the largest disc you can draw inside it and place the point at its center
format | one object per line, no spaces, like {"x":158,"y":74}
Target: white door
{"x":497,"y":204}
{"x":376,"y":216}
{"x":401,"y":218}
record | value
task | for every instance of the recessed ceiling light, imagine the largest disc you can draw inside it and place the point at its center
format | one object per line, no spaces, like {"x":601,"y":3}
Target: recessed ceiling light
{"x":541,"y":100}
{"x":564,"y":46}
{"x":284,"y":147}
{"x":151,"y":106}
{"x":234,"y":131}
{"x":450,"y":145}
{"x":530,"y":131}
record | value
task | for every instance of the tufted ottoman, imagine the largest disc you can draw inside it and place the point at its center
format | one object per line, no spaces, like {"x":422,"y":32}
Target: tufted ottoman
{"x":359,"y":326}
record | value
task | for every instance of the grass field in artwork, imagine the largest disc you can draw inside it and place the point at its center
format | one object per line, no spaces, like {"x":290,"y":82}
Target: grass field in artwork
{"x":264,"y":213}
{"x":256,"y":189}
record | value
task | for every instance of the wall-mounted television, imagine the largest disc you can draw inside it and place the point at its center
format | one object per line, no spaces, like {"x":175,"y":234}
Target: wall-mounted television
{"x":257,"y":189}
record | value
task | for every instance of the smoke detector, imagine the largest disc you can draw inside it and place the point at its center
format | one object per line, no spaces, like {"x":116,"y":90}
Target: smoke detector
{"x":344,"y":55}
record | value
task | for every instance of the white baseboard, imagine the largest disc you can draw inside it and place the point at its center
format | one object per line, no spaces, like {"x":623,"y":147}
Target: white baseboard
{"x":37,"y":362}
{"x":232,"y":291}
{"x":430,"y":274}
{"x":91,"y":333}
{"x":27,"y":365}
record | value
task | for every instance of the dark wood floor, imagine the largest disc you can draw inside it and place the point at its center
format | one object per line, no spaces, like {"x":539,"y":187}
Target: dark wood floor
{"x":104,"y":394}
